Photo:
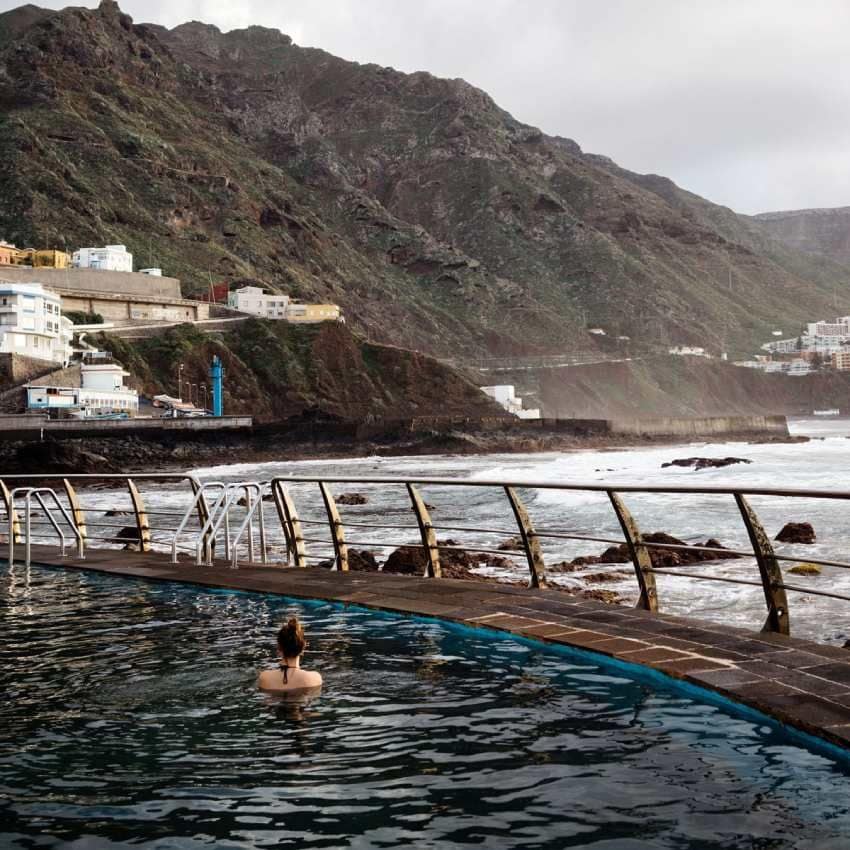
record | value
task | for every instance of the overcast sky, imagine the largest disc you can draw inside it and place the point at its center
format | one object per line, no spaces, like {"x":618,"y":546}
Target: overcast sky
{"x":742,"y":101}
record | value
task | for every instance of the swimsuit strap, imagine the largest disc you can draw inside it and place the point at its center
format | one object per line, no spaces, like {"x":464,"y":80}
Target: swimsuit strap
{"x":284,"y":669}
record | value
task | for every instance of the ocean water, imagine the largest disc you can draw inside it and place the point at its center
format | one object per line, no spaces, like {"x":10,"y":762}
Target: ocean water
{"x":130,"y":719}
{"x":820,"y":463}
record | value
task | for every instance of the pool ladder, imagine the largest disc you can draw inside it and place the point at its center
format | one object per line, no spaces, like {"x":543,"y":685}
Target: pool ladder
{"x":39,"y":494}
{"x":215,"y":518}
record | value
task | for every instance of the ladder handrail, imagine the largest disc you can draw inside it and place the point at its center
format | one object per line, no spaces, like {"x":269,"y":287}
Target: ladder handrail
{"x":206,"y":528}
{"x":247,"y":522}
{"x":199,"y":497}
{"x":38,"y":492}
{"x":222,"y":507}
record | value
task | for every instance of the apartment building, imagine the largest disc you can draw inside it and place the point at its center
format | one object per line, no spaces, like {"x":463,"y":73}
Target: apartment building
{"x":31,"y":323}
{"x":114,"y":258}
{"x":257,"y":302}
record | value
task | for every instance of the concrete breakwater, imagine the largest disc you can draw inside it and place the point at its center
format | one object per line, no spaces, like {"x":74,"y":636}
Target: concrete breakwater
{"x":668,"y":426}
{"x":708,"y":426}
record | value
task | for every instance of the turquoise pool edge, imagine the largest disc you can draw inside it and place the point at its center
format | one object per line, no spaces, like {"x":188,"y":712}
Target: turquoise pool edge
{"x":634,"y":670}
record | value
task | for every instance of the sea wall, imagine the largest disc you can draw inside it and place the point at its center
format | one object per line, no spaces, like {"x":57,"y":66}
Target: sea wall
{"x":708,"y":426}
{"x":668,"y":426}
{"x":96,"y":280}
{"x":29,"y":427}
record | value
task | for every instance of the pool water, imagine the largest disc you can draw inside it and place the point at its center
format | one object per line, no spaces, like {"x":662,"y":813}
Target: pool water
{"x":130,"y":718}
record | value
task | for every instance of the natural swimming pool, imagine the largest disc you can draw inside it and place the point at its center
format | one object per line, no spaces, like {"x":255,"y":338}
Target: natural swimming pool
{"x":130,"y":718}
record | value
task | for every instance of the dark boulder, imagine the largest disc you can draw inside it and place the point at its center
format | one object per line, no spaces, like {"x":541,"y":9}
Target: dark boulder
{"x":129,"y":536}
{"x":705,"y":462}
{"x":351,"y":499}
{"x":361,"y":560}
{"x":243,"y":502}
{"x":796,"y":532}
{"x":659,"y":557}
{"x":406,"y":560}
{"x":454,"y":562}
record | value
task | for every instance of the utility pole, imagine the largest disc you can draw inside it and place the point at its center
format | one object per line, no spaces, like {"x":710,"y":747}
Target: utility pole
{"x":180,"y":381}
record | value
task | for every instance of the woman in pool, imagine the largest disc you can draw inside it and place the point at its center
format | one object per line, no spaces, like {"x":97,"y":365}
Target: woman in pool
{"x":289,"y":676}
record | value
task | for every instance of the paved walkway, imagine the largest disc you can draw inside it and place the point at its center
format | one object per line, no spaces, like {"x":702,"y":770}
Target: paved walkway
{"x":804,"y":684}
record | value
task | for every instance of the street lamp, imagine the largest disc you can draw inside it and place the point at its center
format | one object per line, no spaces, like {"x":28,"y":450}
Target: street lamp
{"x":204,"y":391}
{"x":180,"y":368}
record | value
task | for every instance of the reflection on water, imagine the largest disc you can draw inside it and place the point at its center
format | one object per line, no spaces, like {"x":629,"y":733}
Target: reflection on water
{"x":131,"y":718}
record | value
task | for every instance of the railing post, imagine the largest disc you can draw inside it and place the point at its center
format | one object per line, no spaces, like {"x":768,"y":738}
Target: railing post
{"x":77,"y":512}
{"x":11,"y":515}
{"x":203,"y":516}
{"x":142,"y":524}
{"x":771,"y":575}
{"x":291,"y":524}
{"x":530,"y":543}
{"x":337,"y":531}
{"x":426,"y":530}
{"x":648,"y":599}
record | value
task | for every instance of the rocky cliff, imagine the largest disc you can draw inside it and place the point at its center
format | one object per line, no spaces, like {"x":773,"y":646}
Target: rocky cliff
{"x":821,"y":231}
{"x":686,"y":386}
{"x":436,"y":219}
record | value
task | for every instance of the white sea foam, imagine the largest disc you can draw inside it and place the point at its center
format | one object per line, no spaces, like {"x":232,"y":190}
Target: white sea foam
{"x":818,"y":464}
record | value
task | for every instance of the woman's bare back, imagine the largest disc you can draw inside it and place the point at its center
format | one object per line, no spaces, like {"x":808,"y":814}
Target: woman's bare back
{"x":296,"y":680}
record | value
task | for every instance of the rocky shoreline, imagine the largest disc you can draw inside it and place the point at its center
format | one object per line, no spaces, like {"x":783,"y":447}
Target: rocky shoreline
{"x":287,"y":441}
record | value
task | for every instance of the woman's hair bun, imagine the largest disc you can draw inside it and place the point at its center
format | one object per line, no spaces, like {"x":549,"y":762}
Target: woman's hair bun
{"x":291,"y":638}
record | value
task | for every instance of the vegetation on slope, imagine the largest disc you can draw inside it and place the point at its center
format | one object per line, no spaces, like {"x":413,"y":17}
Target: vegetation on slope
{"x":274,"y":370}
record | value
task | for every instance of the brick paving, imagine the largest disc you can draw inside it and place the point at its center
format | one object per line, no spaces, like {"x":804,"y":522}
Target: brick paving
{"x":802,"y":683}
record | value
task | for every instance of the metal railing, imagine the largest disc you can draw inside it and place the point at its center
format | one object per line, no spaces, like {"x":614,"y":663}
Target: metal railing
{"x":193,"y":517}
{"x":192,"y":528}
{"x":769,"y":575}
{"x":40,"y":494}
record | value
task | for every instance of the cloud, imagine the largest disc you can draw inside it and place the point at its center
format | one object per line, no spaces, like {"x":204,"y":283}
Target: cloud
{"x":742,"y":101}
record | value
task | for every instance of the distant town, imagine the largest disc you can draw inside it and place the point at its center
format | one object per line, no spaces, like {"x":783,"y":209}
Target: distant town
{"x":51,"y":301}
{"x":822,"y":345}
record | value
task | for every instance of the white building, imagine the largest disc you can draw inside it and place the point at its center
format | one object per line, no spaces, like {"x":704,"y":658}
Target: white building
{"x":102,"y":391}
{"x":688,"y":350}
{"x":782,"y":346}
{"x":252,"y":299}
{"x":31,"y":323}
{"x":838,"y":327}
{"x":505,"y":395}
{"x":114,"y":258}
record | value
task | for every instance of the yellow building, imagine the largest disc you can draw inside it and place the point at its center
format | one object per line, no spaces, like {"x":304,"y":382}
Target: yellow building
{"x":50,"y":259}
{"x":841,"y":361}
{"x":45,"y":258}
{"x":312,"y":312}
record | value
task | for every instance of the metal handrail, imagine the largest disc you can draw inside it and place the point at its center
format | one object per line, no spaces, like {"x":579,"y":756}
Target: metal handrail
{"x":219,"y":515}
{"x":768,"y":561}
{"x":200,"y":498}
{"x":38,"y":493}
{"x":565,"y":485}
{"x":252,"y":507}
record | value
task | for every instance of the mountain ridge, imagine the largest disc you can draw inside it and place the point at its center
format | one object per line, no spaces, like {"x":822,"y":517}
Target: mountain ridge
{"x":436,"y":219}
